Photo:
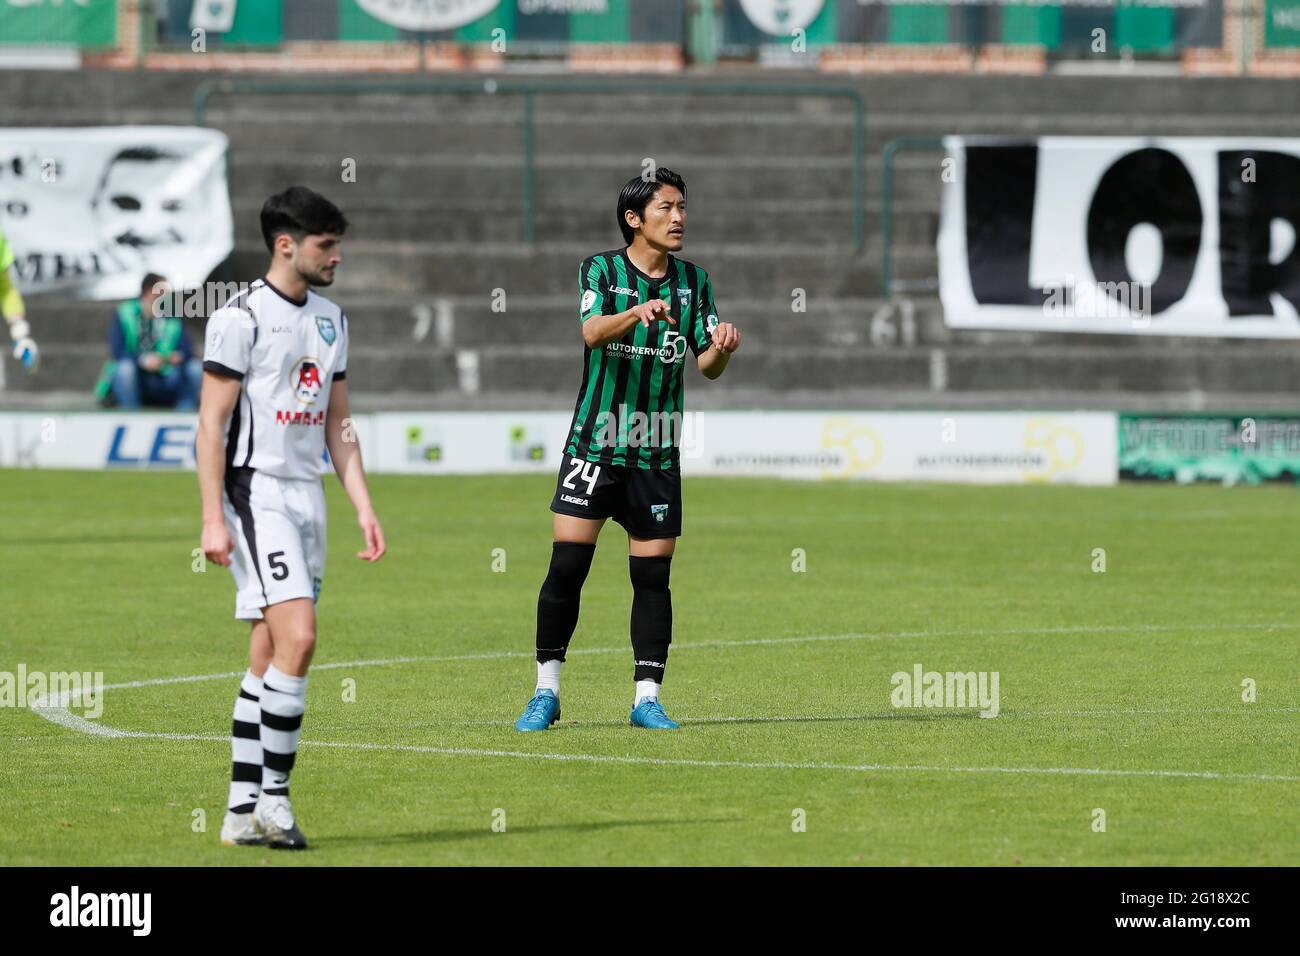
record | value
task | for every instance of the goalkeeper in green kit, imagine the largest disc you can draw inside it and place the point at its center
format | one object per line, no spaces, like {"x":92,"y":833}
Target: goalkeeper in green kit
{"x":14,"y":312}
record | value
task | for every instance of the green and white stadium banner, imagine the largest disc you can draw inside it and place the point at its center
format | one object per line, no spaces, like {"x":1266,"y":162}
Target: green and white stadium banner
{"x":1281,"y":23}
{"x":522,"y":24}
{"x":89,"y":24}
{"x":1231,"y":449}
{"x":966,"y":447}
{"x":1143,"y":26}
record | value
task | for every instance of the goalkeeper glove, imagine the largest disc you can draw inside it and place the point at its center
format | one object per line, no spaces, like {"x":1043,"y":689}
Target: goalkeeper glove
{"x":25,"y":349}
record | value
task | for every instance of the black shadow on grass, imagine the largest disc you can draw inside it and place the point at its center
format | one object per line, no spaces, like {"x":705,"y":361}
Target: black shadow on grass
{"x":688,"y":722}
{"x":454,"y":836}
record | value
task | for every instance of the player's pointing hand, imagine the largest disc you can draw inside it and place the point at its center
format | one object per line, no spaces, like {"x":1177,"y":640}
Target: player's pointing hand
{"x":653,"y":311}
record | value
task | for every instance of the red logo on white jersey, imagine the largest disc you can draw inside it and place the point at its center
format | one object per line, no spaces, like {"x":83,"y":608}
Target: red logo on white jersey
{"x":299,"y":418}
{"x":306,"y":380}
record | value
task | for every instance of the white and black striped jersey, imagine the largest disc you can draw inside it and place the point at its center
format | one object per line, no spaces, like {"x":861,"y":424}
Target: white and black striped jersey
{"x":286,"y":354}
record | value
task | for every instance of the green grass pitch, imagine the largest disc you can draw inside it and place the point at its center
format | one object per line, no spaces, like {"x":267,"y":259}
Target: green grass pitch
{"x":1119,"y":691}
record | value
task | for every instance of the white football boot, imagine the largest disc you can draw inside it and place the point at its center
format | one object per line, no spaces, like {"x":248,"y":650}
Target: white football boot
{"x":240,"y":829}
{"x":274,"y":817}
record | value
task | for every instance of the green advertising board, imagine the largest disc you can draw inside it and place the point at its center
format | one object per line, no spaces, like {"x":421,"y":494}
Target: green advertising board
{"x":85,"y":23}
{"x":1230,"y":449}
{"x":1282,"y":23}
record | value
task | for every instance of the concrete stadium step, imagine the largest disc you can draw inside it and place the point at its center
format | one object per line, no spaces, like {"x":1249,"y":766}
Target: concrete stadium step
{"x":425,"y":323}
{"x":500,"y":218}
{"x":526,"y":323}
{"x":558,"y":370}
{"x":105,"y":90}
{"x":501,"y":131}
{"x":391,"y":268}
{"x":793,"y":179}
{"x":1026,"y":371}
{"x":1262,"y":368}
{"x":73,"y":368}
{"x":432,"y":322}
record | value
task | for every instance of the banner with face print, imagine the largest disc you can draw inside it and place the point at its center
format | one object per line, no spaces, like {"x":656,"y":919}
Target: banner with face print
{"x":1143,"y":236}
{"x":88,"y":212}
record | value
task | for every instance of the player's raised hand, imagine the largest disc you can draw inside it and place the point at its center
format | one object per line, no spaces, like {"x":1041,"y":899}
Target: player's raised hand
{"x":217,"y":544}
{"x":726,"y":337}
{"x":375,"y":545}
{"x":653,"y":311}
{"x":25,"y":351}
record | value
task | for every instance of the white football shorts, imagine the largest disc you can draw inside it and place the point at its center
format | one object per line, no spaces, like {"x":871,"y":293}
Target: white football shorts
{"x":278,"y":526}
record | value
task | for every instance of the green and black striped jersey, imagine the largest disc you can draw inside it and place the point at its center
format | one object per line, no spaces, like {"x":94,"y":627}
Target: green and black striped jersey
{"x":629,"y":409}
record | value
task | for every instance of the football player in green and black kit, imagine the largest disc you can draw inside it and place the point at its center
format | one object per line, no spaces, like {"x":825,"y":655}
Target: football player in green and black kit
{"x":641,"y":308}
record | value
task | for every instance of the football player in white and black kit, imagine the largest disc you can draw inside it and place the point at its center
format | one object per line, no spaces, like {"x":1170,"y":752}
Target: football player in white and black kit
{"x":275,"y":397}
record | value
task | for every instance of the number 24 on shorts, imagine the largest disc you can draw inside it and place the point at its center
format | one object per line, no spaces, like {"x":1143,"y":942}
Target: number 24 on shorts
{"x":590,"y":472}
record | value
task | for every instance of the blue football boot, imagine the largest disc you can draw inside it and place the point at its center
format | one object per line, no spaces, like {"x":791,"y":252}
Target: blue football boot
{"x":649,"y":713}
{"x":542,"y":711}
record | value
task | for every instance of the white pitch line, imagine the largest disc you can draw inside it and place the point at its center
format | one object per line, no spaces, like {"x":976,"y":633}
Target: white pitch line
{"x":743,"y":764}
{"x":752,"y":642}
{"x":60,"y":714}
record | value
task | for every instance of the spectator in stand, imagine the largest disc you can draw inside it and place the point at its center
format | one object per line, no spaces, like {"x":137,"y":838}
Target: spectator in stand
{"x":153,"y":362}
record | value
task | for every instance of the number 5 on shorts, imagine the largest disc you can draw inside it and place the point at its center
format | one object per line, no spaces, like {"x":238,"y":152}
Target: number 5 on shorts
{"x":279,"y":570}
{"x":590,"y":472}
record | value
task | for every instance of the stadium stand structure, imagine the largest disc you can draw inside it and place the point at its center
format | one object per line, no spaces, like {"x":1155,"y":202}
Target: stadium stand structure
{"x":437,"y":220}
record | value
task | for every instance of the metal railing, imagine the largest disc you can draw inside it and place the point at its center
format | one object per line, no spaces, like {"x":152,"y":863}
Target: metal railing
{"x":892,"y":148}
{"x":530,"y":89}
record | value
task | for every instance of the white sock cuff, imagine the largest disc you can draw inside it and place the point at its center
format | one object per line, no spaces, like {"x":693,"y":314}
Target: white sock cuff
{"x":278,"y":680}
{"x":644,"y":689}
{"x":251,"y":683}
{"x":548,"y":676}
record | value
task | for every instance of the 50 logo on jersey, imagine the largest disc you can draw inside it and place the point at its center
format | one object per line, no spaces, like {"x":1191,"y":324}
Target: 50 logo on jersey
{"x":673,"y":348}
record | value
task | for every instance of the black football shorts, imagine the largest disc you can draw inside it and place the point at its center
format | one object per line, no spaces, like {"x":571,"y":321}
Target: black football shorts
{"x":647,"y":502}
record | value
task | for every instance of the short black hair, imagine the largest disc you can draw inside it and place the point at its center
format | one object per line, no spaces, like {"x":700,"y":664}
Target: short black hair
{"x":300,"y":211}
{"x":150,"y":280}
{"x":639,"y":191}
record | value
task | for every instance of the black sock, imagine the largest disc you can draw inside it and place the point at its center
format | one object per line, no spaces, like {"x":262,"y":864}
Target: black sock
{"x":652,"y":616}
{"x":560,"y":597}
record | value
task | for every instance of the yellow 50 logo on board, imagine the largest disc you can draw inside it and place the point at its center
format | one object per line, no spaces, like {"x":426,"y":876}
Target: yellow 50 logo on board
{"x":859,"y":445}
{"x":1063,"y":448}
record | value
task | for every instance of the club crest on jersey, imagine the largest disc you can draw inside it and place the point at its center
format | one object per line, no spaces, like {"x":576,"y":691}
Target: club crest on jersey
{"x":306,"y":380}
{"x":659,"y":512}
{"x":684,"y":300}
{"x":325,"y":325}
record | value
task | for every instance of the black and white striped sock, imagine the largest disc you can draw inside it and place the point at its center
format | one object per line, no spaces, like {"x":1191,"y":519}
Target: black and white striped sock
{"x":284,"y":697}
{"x":246,"y":746}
